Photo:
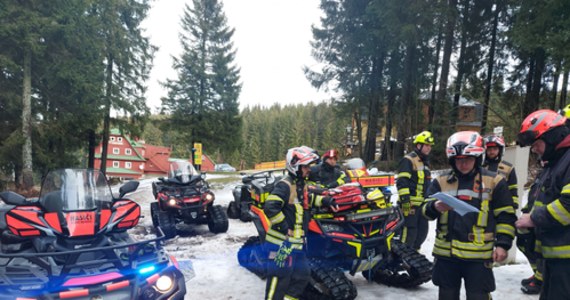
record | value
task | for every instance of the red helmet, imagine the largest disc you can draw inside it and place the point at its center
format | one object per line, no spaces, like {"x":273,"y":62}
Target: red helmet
{"x":299,"y":156}
{"x":536,"y":124}
{"x":494,"y":141}
{"x":330,"y":153}
{"x":465,"y":143}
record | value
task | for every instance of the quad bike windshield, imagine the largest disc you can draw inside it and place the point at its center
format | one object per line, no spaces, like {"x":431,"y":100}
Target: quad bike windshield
{"x":75,"y":190}
{"x":182,"y":171}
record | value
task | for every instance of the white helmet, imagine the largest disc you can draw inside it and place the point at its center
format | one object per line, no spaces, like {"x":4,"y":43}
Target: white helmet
{"x":299,"y":156}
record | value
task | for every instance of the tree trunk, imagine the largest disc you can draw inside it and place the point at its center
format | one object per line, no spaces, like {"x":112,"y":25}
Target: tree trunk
{"x":489,"y":83}
{"x":564,"y":89}
{"x":537,"y":80}
{"x":27,"y":170}
{"x":387,"y":153}
{"x":527,"y":109}
{"x":107,"y":119}
{"x":553,"y":104}
{"x":431,"y":109}
{"x":460,"y":68}
{"x":447,"y":50}
{"x":92,"y":143}
{"x":374,"y":104}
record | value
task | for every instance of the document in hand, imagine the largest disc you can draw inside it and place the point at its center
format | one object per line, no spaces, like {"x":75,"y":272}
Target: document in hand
{"x":458,"y":206}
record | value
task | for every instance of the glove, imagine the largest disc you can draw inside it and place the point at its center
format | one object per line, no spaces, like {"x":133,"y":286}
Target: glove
{"x":405,"y":205}
{"x":283,"y":254}
{"x":328,"y":201}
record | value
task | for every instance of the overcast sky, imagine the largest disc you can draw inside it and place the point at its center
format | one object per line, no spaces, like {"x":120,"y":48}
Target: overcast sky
{"x":272,"y":41}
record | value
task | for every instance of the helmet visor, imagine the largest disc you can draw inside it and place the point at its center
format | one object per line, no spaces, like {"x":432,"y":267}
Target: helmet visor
{"x":526,"y":138}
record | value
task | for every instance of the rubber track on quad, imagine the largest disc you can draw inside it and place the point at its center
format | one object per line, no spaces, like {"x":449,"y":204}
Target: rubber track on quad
{"x":218,"y":220}
{"x":331,"y":283}
{"x":418,"y":268}
{"x":250,"y":256}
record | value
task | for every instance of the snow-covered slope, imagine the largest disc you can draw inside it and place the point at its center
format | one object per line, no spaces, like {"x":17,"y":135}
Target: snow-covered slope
{"x":219,"y":276}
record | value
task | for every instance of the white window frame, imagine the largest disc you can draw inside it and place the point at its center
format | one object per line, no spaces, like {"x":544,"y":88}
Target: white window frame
{"x":128,"y":165}
{"x":116,"y":164}
{"x":116,"y":151}
{"x":128,"y":151}
{"x":120,"y":139}
{"x":112,"y":139}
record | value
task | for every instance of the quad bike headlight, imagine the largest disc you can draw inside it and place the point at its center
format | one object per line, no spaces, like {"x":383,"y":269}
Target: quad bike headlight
{"x":164,"y":283}
{"x":208,"y":197}
{"x":172,"y":202}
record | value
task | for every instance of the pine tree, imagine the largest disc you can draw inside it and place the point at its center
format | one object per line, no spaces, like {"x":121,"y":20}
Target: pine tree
{"x":203,"y":99}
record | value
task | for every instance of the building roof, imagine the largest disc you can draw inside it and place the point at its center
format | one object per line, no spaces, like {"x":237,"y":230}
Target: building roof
{"x":157,"y":158}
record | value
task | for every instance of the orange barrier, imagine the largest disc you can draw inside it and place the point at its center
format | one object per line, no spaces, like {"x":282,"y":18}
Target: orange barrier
{"x":270,"y":165}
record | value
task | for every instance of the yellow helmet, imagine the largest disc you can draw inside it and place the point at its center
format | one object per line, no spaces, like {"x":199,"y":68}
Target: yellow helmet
{"x":424,"y":137}
{"x":566,"y":111}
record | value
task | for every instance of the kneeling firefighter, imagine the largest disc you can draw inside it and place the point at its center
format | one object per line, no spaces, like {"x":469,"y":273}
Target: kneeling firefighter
{"x":288,"y":271}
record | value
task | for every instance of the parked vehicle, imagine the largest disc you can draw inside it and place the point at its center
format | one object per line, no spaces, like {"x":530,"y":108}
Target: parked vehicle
{"x":185,"y":196}
{"x":72,"y":242}
{"x":224,"y":168}
{"x":357,"y":238}
{"x":254,"y":190}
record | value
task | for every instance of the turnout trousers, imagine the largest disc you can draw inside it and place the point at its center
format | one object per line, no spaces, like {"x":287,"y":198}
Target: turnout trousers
{"x":478,"y":277}
{"x":556,"y":284}
{"x":290,"y":281}
{"x":415,"y":230}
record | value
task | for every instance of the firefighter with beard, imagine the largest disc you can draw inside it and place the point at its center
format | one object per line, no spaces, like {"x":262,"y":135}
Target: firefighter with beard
{"x":413,"y":180}
{"x":328,"y":174}
{"x":466,"y":246}
{"x":549,"y":137}
{"x":286,"y":208}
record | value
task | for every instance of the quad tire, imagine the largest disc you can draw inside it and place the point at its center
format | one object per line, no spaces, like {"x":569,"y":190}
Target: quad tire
{"x":408,"y":268}
{"x":328,"y":283}
{"x":233,"y":210}
{"x":252,"y":257}
{"x":164,"y":220}
{"x":217,"y":219}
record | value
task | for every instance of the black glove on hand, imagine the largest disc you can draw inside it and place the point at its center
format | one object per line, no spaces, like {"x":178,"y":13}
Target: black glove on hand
{"x":328,"y":201}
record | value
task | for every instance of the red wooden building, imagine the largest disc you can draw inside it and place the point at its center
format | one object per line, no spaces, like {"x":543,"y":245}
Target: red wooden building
{"x":130,"y":159}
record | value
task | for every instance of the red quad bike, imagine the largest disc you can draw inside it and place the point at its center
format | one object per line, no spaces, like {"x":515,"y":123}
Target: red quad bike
{"x":357,"y":238}
{"x":72,"y":243}
{"x":185,"y":196}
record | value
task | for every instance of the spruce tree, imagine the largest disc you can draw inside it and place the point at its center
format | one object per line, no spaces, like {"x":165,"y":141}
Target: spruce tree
{"x":203,"y":100}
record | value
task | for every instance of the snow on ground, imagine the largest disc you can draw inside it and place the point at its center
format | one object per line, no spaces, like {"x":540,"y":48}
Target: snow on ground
{"x":219,"y":276}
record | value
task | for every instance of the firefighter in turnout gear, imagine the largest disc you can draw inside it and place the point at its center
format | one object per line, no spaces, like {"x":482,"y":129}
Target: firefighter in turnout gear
{"x":413,"y":180}
{"x":466,"y":246}
{"x":526,"y":241}
{"x":288,"y":269}
{"x":545,"y":131}
{"x":494,"y":150}
{"x":328,"y":174}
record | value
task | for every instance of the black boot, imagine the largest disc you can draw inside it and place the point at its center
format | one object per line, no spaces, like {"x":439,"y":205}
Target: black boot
{"x":532,"y":287}
{"x":527,"y":280}
{"x":448,"y":294}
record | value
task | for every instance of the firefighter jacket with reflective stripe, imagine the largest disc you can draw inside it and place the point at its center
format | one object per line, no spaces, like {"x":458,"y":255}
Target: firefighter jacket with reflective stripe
{"x":413,"y":180}
{"x":507,"y":170}
{"x":328,"y":176}
{"x":551,"y":210}
{"x":474,"y":235}
{"x":286,"y":210}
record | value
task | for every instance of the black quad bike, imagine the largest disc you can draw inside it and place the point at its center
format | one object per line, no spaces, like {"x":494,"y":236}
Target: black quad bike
{"x":72,"y":243}
{"x":254,"y":190}
{"x":357,"y":238}
{"x":185,"y":196}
